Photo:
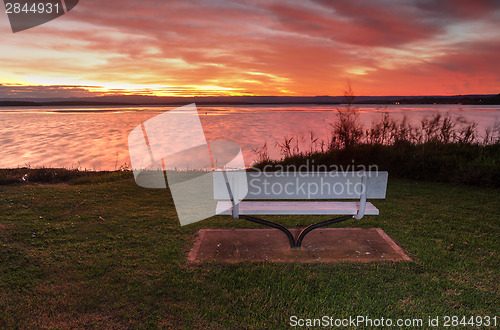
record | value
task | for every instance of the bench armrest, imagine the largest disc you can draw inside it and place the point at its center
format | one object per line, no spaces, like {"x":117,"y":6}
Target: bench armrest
{"x":362,"y":200}
{"x":235,"y":201}
{"x":232,"y":193}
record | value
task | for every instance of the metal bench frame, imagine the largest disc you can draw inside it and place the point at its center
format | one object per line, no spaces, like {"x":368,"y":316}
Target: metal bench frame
{"x":296,"y":243}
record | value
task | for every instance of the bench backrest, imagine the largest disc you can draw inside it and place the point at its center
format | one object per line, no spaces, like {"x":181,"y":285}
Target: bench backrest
{"x":238,"y":185}
{"x":300,"y":185}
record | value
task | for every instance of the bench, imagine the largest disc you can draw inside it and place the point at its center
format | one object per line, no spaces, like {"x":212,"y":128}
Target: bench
{"x":246,"y":195}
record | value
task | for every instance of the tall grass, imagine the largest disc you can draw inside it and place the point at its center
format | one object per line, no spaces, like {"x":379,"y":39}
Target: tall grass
{"x":439,"y":148}
{"x":347,"y":131}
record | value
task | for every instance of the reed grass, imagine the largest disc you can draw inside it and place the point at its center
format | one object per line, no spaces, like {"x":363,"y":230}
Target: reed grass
{"x":440,"y":148}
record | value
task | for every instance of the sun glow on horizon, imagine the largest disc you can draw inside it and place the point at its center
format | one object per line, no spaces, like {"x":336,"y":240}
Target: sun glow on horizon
{"x":109,"y":88}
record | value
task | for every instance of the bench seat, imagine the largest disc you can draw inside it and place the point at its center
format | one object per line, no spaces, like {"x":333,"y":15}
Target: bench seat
{"x":298,"y":207}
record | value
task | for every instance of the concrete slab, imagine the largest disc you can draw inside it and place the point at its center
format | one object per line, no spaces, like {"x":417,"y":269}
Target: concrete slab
{"x":271,"y":245}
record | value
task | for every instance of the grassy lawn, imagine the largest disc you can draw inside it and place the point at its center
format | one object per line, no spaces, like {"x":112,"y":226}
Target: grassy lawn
{"x":112,"y":254}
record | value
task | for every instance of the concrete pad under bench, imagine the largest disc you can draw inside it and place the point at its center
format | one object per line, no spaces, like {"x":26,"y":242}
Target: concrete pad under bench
{"x":271,"y":245}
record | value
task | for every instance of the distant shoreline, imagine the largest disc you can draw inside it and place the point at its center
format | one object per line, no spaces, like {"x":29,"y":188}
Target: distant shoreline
{"x":475,"y":99}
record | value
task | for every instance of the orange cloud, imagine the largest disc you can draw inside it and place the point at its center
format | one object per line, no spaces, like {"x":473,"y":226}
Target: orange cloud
{"x":224,"y":47}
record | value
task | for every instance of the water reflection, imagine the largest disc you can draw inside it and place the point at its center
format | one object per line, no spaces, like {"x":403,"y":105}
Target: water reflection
{"x":96,"y":138}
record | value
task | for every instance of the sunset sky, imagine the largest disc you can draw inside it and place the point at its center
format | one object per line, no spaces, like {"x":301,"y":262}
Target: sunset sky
{"x":222,"y":47}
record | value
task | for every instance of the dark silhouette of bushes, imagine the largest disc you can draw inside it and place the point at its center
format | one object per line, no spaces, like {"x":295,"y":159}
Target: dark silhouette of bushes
{"x":439,"y":149}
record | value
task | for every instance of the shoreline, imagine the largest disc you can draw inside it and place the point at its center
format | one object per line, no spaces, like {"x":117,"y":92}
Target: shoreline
{"x":470,"y":99}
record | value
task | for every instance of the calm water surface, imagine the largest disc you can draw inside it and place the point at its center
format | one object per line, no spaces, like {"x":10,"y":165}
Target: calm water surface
{"x":95,"y":138}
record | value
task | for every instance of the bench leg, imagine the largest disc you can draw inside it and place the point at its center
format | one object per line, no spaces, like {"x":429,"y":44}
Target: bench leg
{"x":296,"y":244}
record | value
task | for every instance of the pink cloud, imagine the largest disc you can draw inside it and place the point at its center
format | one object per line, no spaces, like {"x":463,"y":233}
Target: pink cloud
{"x":307,"y":47}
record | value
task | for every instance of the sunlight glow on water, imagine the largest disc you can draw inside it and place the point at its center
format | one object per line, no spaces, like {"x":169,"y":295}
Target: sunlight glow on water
{"x":95,"y":138}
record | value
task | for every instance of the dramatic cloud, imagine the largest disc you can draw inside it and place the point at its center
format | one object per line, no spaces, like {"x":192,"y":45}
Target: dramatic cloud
{"x":16,"y":91}
{"x":221,"y":47}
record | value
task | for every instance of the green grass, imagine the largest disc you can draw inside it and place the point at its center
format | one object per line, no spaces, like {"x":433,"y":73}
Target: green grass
{"x":112,"y":255}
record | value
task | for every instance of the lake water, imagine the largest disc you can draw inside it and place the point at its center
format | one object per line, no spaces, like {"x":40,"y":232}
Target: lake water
{"x":95,"y":138}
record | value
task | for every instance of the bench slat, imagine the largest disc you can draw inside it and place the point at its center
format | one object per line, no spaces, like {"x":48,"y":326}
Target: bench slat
{"x":290,"y":208}
{"x":301,"y":185}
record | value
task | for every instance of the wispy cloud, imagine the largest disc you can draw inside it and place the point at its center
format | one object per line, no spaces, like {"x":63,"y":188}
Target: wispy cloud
{"x":18,"y":91}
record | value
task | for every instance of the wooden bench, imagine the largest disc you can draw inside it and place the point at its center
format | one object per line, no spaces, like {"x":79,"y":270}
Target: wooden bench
{"x":249,"y":194}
